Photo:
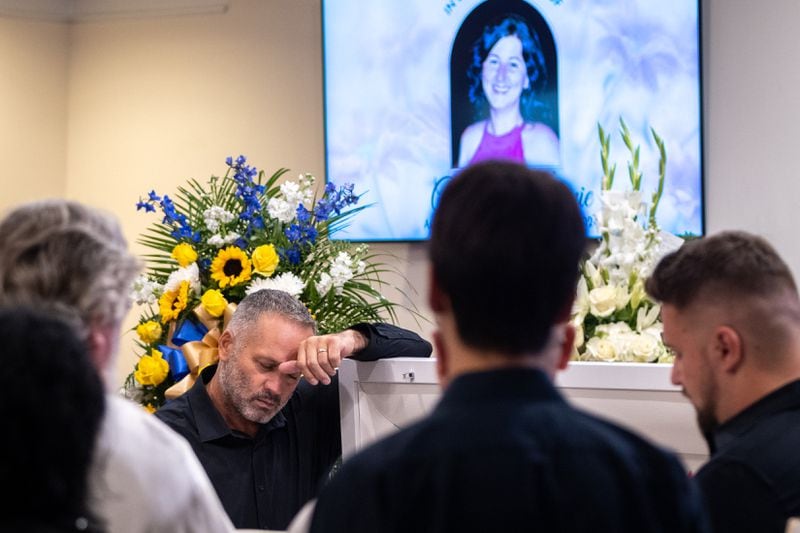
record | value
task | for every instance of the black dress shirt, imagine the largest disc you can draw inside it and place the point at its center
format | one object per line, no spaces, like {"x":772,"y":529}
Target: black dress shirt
{"x":752,"y":481}
{"x":263,"y":481}
{"x":504,"y":452}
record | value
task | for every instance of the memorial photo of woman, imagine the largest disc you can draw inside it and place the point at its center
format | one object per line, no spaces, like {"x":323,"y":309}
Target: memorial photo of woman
{"x":506,"y":69}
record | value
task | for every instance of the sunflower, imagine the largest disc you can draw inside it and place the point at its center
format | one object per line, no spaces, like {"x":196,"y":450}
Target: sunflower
{"x":231,"y":267}
{"x":172,"y":303}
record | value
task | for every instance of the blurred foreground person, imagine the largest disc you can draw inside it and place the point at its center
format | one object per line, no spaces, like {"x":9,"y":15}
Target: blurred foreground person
{"x":503,"y":450}
{"x":63,"y":255}
{"x":51,"y":403}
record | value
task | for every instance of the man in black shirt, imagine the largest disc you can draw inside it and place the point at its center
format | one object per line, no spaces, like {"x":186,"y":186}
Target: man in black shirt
{"x":264,"y":429}
{"x":731,"y":314}
{"x":503,"y":451}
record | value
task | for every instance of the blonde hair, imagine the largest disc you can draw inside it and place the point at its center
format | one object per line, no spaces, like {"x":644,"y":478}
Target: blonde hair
{"x":64,"y":255}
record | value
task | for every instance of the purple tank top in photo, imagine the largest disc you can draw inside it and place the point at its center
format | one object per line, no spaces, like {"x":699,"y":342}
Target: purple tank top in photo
{"x":507,"y":146}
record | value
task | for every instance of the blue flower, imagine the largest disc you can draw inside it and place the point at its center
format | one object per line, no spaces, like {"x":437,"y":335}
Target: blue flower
{"x":303,"y":214}
{"x":147,"y":206}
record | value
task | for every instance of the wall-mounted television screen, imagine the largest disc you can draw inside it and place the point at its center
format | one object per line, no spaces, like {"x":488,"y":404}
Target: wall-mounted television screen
{"x":416,"y":90}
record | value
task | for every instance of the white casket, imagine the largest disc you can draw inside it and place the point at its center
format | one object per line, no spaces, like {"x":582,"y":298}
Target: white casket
{"x":380,"y":397}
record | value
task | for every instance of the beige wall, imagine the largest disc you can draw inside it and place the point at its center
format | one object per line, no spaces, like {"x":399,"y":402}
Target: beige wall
{"x":155,"y":101}
{"x":33,"y":111}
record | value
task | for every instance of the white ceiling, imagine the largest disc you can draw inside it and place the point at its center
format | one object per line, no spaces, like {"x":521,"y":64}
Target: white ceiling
{"x":87,"y":10}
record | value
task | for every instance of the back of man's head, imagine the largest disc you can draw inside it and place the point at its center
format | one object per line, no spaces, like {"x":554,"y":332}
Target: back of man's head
{"x":743,"y":279}
{"x":505,"y":246}
{"x":62,"y":254}
{"x":729,"y":265}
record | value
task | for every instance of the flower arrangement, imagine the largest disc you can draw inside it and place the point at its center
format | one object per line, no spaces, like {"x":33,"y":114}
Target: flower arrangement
{"x":614,"y":317}
{"x":228,"y":237}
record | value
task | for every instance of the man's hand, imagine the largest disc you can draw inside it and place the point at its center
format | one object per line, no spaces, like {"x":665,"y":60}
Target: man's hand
{"x":319,"y":357}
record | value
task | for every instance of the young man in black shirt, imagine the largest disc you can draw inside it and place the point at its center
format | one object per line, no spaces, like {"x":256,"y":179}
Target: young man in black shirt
{"x":731,"y":314}
{"x":503,"y":450}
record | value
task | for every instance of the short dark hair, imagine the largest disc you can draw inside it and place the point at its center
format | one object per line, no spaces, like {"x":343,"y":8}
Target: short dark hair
{"x":51,"y":398}
{"x":505,"y":245}
{"x":727,"y":264}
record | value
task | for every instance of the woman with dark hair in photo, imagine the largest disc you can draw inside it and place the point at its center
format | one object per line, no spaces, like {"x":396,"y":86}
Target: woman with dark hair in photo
{"x":507,"y":67}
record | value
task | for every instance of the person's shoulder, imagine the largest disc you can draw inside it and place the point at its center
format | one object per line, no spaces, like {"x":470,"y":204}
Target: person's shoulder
{"x":143,"y":470}
{"x":136,"y":432}
{"x":539,"y":130}
{"x":474,"y":131}
{"x":175,"y":411}
{"x":470,"y":140}
{"x":540,"y":144}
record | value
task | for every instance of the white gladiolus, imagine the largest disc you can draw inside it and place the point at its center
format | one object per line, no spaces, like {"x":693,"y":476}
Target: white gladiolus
{"x":325,"y":283}
{"x":581,"y":304}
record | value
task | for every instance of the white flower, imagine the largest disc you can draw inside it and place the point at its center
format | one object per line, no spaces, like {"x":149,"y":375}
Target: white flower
{"x":145,"y":291}
{"x":593,"y":274}
{"x":281,"y":210}
{"x":645,"y":348}
{"x":603,"y":301}
{"x":600,"y":349}
{"x":646,"y":318}
{"x":219,"y":241}
{"x":190,"y":273}
{"x":581,"y":304}
{"x":214,"y":216}
{"x":341,"y":271}
{"x":325,"y":283}
{"x":297,"y":192}
{"x":579,"y":340}
{"x":611,"y":330}
{"x":286,"y":282}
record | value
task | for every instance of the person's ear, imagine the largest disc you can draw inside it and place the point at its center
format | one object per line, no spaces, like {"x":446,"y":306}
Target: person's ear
{"x":225,"y":344}
{"x":101,"y":348}
{"x":727,"y":346}
{"x":442,"y":361}
{"x":567,"y":346}
{"x":438,"y":301}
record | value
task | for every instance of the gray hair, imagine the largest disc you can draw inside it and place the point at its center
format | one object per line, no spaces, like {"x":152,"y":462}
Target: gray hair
{"x":265,"y":301}
{"x":64,"y":255}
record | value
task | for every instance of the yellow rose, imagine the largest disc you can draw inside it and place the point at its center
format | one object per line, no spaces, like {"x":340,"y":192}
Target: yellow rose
{"x":184,"y":254}
{"x":214,"y":302}
{"x":149,"y":332}
{"x":152,"y":369}
{"x":265,"y":260}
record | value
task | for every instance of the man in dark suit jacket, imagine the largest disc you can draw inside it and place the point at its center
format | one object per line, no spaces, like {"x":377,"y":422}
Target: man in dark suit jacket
{"x":503,"y":451}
